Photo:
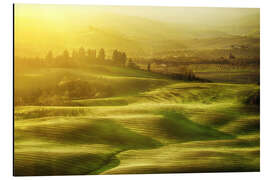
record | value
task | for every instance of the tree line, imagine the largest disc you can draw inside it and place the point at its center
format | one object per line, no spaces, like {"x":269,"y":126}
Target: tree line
{"x":78,"y":57}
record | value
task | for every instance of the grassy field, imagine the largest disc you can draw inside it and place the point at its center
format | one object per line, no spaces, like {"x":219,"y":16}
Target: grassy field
{"x":147,"y":124}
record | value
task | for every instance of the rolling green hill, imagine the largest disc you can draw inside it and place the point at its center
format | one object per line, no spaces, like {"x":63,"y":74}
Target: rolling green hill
{"x":150,"y":125}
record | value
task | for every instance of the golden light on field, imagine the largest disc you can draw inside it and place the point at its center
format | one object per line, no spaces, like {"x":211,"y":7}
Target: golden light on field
{"x":116,"y":89}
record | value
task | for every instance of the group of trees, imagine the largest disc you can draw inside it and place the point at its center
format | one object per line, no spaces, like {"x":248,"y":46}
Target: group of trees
{"x":63,"y":92}
{"x":77,"y":57}
{"x":132,"y":64}
{"x":65,"y":59}
{"x":119,"y":58}
{"x":81,"y":55}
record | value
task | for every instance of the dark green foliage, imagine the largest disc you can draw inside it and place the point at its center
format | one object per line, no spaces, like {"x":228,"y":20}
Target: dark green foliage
{"x":132,"y":64}
{"x":101,"y":55}
{"x":253,"y":98}
{"x":180,"y":127}
{"x":119,"y":58}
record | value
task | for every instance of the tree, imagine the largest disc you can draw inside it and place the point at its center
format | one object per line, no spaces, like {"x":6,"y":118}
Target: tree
{"x":131,"y":64}
{"x":74,"y":54}
{"x":123,"y":59}
{"x":101,"y":54}
{"x":149,"y":67}
{"x":49,"y":56}
{"x":119,"y":58}
{"x":91,"y":54}
{"x":115,"y":56}
{"x":81,"y":53}
{"x":65,"y":55}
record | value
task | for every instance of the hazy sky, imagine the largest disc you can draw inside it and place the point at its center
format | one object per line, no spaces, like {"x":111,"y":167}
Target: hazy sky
{"x":176,"y":14}
{"x":39,"y":28}
{"x":172,"y":14}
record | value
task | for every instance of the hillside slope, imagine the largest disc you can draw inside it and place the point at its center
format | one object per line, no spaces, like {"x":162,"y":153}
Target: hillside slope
{"x":161,"y":129}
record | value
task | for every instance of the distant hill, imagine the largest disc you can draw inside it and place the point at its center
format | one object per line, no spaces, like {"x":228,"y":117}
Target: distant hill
{"x":138,"y":36}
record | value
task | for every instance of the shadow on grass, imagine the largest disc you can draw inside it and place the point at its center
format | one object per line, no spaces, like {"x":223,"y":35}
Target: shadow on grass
{"x":181,"y":128}
{"x":87,"y":131}
{"x":42,"y":163}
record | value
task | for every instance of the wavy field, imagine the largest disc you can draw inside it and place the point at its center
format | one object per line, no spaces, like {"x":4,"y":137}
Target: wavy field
{"x":150,"y":124}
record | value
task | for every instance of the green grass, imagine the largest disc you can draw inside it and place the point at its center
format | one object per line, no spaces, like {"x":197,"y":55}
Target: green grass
{"x":183,"y":129}
{"x":149,"y":125}
{"x":62,"y":160}
{"x":115,"y":101}
{"x":70,"y":130}
{"x":61,"y":86}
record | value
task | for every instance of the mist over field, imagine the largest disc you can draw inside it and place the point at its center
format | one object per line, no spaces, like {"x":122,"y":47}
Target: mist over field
{"x":140,"y":31}
{"x":127,"y":90}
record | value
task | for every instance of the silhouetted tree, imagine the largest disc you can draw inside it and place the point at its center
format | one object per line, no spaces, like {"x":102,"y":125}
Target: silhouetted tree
{"x":81,"y":53}
{"x":74,"y":54}
{"x":131,"y":64}
{"x":49,"y":56}
{"x":149,"y":67}
{"x":115,"y":56}
{"x":65,"y":55}
{"x":91,"y":54}
{"x":119,"y":58}
{"x":101,"y":54}
{"x":123,"y":59}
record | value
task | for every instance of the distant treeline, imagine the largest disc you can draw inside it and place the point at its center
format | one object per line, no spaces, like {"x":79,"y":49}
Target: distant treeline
{"x":81,"y":57}
{"x":77,"y":58}
{"x":240,"y":51}
{"x":59,"y":90}
{"x":176,"y":61}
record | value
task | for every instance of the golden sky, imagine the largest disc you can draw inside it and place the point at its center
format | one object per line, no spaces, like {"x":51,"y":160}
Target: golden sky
{"x":40,"y":28}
